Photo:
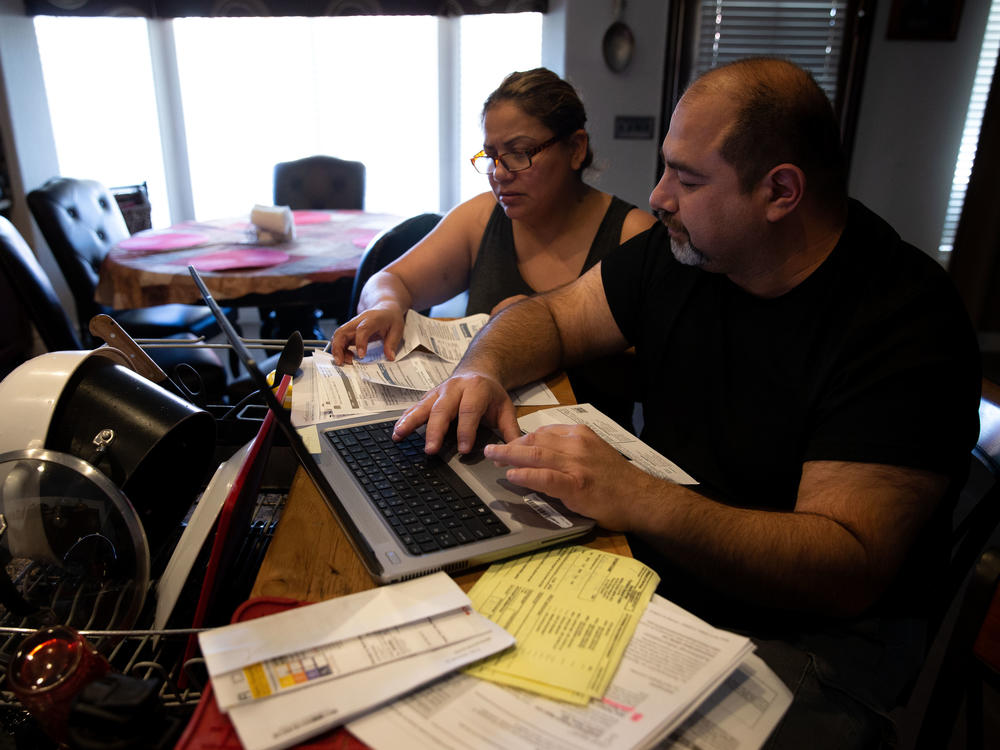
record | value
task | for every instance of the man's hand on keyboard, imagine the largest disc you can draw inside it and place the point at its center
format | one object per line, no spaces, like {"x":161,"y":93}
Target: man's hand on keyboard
{"x":572,"y":463}
{"x":470,"y":397}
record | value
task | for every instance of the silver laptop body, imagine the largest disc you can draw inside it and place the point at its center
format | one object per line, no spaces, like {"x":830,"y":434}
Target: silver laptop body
{"x":534,"y":520}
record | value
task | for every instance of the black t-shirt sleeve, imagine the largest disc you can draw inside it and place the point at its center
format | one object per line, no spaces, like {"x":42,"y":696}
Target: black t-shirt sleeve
{"x":624,"y":274}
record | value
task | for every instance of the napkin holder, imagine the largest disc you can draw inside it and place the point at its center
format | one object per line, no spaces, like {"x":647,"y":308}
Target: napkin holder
{"x":272,"y":224}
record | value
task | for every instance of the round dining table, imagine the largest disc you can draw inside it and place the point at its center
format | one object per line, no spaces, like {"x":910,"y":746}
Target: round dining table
{"x":150,"y":267}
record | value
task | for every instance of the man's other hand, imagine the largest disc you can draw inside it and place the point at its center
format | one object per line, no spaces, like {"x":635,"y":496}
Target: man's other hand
{"x":572,"y":463}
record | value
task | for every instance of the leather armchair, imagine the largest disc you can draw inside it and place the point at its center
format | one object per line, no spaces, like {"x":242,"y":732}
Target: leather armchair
{"x":81,"y":222}
{"x":33,"y":294}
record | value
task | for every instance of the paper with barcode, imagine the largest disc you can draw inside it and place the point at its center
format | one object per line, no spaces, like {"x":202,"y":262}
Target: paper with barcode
{"x":287,"y":676}
{"x":334,"y":661}
{"x":613,"y":434}
{"x":288,"y":719}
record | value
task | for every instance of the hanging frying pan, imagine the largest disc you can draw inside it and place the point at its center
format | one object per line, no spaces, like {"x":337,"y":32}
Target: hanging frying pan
{"x":618,"y":44}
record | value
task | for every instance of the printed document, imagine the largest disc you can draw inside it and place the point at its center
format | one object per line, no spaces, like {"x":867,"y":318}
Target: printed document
{"x":418,"y":371}
{"x":312,"y":666}
{"x":287,"y":676}
{"x":325,"y":392}
{"x":612,"y":433}
{"x":448,"y":339}
{"x":241,"y":644}
{"x":739,"y":715}
{"x":572,"y":611}
{"x":672,"y":663}
{"x":288,"y":719}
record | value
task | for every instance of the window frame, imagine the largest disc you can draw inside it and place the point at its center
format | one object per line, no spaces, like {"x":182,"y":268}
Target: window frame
{"x":682,"y":35}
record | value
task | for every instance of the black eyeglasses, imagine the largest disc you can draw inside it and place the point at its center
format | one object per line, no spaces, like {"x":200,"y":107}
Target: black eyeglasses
{"x":514,"y":161}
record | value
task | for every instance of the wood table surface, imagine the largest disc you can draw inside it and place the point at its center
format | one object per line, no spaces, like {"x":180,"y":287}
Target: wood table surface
{"x":310,"y":559}
{"x":327,"y":249}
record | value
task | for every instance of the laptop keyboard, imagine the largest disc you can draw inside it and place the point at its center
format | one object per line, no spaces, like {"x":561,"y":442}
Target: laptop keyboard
{"x":424,"y":501}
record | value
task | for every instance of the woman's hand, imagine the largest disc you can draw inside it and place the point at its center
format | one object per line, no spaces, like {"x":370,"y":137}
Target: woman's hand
{"x":383,"y":322}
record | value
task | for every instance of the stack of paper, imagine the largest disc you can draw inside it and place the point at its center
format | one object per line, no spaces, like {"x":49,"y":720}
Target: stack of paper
{"x":669,"y":671}
{"x":426,"y":358}
{"x":572,"y":611}
{"x":636,"y":451}
{"x":286,"y":677}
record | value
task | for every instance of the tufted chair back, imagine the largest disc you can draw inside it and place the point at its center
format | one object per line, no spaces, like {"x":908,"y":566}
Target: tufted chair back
{"x":319,"y":182}
{"x":80,"y":221}
{"x":33,"y":290}
{"x":385,"y":248}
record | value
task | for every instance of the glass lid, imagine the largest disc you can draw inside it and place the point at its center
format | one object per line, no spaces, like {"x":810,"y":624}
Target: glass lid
{"x":72,"y":548}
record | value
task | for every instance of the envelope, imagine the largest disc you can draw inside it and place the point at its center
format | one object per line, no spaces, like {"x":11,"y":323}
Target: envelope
{"x":242,"y":644}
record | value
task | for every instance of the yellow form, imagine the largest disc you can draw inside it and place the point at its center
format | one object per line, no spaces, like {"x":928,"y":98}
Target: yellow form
{"x":572,"y":611}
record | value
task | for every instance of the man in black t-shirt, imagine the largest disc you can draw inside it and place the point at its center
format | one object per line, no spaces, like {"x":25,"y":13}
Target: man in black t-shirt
{"x":817,"y":375}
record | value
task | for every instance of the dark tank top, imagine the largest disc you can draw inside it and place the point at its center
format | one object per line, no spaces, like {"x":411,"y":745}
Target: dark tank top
{"x":495,"y":275}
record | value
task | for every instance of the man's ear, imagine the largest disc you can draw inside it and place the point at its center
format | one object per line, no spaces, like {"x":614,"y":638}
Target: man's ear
{"x":578,"y":143}
{"x":783,"y":188}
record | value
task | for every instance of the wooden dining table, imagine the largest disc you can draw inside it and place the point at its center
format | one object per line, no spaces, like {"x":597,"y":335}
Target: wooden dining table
{"x":150,"y":267}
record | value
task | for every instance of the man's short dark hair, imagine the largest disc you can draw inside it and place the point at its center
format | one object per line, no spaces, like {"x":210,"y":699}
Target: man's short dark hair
{"x":783,"y":116}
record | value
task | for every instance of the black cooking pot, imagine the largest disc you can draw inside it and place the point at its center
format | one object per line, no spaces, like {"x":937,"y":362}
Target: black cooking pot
{"x":156,"y":447}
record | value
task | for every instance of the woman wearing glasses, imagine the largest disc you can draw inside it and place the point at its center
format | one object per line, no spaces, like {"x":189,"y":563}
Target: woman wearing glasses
{"x":539,"y":227}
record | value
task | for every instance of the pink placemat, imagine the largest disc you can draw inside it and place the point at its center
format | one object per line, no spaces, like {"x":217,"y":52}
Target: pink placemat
{"x":310,"y":217}
{"x":251,"y":257}
{"x":362,"y":237}
{"x":163,"y":241}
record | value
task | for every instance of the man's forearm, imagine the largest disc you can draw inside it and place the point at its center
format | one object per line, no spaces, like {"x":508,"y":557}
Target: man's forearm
{"x":851,"y":530}
{"x":519,"y":345}
{"x":786,"y":560}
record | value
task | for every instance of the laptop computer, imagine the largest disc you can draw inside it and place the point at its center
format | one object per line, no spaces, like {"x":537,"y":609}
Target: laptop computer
{"x":478,"y":519}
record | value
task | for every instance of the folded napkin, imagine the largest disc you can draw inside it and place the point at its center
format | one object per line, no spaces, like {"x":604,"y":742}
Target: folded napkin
{"x":273,"y":224}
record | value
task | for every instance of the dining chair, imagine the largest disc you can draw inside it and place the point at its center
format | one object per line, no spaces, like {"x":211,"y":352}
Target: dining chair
{"x":385,"y":248}
{"x":319,"y":182}
{"x":133,"y":200}
{"x":81,"y":222}
{"x":315,"y":183}
{"x":17,"y":342}
{"x":972,"y":581}
{"x":34,"y":293}
{"x":970,"y":662}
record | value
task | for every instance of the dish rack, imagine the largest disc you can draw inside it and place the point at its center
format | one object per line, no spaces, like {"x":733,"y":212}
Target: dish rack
{"x":147,"y":653}
{"x":143,"y":653}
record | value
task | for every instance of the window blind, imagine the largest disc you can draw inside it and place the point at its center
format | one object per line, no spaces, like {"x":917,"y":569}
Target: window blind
{"x":973,"y":122}
{"x":807,"y":32}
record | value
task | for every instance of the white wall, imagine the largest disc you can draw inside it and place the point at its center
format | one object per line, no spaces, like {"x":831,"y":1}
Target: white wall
{"x":626,"y":168}
{"x":910,"y":123}
{"x":27,"y":130}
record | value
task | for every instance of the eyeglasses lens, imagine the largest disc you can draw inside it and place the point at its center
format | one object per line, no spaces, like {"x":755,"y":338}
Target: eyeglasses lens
{"x":514,"y":161}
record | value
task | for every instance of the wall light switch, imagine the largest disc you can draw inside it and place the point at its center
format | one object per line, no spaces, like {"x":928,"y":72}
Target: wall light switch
{"x":634,"y":127}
